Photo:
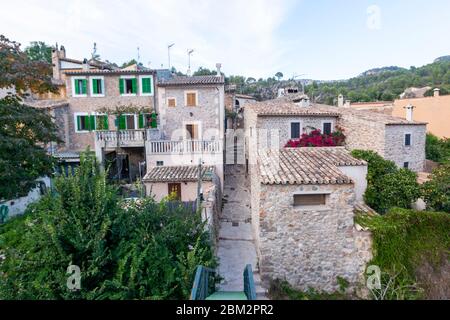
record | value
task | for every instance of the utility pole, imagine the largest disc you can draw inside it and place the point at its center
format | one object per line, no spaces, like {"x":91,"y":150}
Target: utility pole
{"x":168,"y":52}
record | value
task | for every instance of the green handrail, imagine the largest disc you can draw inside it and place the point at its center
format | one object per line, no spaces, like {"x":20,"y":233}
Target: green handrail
{"x":249,"y":284}
{"x":4,"y":210}
{"x":203,"y":287}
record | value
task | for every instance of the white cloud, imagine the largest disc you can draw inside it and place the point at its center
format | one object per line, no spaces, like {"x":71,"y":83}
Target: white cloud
{"x":242,"y":35}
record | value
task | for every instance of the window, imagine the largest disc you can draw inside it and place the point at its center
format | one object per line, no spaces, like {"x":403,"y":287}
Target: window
{"x":295,"y":130}
{"x":407,"y":139}
{"x":127,"y":122}
{"x":192,"y":131}
{"x":128,"y":86}
{"x":191,"y":99}
{"x":159,"y":163}
{"x":79,"y":87}
{"x":406,"y":165}
{"x":97,"y":87}
{"x":147,"y":120}
{"x":309,"y":199}
{"x":146,"y":86}
{"x":84,"y":122}
{"x":326,"y":128}
{"x":101,"y":122}
{"x":171,"y":102}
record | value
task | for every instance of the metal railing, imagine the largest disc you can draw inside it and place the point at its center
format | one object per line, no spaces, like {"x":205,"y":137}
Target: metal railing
{"x":204,"y":283}
{"x":185,"y":146}
{"x":249,"y":284}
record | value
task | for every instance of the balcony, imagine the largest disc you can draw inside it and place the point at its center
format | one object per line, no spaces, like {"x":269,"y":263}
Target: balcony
{"x":122,"y":138}
{"x":184,"y":146}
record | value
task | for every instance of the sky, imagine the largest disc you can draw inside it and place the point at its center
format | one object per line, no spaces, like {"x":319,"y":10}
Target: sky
{"x":311,"y":39}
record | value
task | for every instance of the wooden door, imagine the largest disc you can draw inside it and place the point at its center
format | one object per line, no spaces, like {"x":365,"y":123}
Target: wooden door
{"x":175,"y":188}
{"x":192,"y":130}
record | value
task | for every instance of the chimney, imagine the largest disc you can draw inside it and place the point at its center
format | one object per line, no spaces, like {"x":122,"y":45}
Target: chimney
{"x":55,"y":63}
{"x":62,"y":52}
{"x":340,"y":101}
{"x":409,"y":112}
{"x":437,"y":92}
{"x":85,"y":65}
{"x":219,"y":66}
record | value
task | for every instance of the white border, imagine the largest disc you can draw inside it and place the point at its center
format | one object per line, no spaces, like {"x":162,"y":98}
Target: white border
{"x":92,"y":87}
{"x":185,"y":98}
{"x":75,"y":115}
{"x":73,"y":87}
{"x":124,"y":88}
{"x":327,"y":121}
{"x":300,"y":128}
{"x":151,"y":85}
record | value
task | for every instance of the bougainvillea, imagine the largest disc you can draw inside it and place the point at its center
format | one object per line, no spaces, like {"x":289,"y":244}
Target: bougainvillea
{"x":318,"y":139}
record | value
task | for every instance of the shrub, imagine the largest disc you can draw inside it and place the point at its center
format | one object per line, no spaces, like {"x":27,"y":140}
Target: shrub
{"x":437,"y":149}
{"x":436,"y":192}
{"x":316,"y":139}
{"x":387,"y":186}
{"x":141,"y":250}
{"x":403,"y":242}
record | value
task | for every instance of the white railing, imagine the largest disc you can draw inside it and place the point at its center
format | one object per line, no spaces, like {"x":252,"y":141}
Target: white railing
{"x":125,"y":137}
{"x":185,"y":146}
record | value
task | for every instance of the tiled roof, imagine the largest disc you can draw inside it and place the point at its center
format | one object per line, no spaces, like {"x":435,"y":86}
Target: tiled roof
{"x":305,"y":166}
{"x":377,"y":116}
{"x":281,"y":107}
{"x":193,"y":80}
{"x":178,"y":173}
{"x":362,"y":208}
{"x":47,"y":104}
{"x":104,"y":71}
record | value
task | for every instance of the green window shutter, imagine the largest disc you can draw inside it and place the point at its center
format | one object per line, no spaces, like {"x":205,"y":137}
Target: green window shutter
{"x":92,"y":123}
{"x":141,"y":121}
{"x":105,"y":123}
{"x":122,"y":123}
{"x":122,"y":86}
{"x":150,"y":85}
{"x":78,"y":123}
{"x":84,"y":86}
{"x":76,"y":83}
{"x":95,"y":86}
{"x":146,"y":85}
{"x":154,"y":123}
{"x":133,"y":85}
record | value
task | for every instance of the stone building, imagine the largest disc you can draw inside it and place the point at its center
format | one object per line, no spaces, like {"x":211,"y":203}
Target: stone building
{"x":394,"y":138}
{"x":191,"y":125}
{"x":303,"y":207}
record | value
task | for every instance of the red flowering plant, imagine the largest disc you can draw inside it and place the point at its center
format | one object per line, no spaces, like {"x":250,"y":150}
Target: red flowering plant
{"x":317,"y":139}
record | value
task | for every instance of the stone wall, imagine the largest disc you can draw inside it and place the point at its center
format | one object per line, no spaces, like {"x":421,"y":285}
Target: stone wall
{"x":399,"y":153}
{"x":112,"y":98}
{"x":283,"y":124}
{"x":363,"y":134}
{"x":306,"y":247}
{"x":209,"y":113}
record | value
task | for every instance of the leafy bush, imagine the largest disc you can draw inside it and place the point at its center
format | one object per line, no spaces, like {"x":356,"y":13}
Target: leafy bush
{"x":137,"y":250}
{"x":437,"y":149}
{"x":387,"y":186}
{"x":436,"y":192}
{"x":317,"y":139}
{"x":403,"y":241}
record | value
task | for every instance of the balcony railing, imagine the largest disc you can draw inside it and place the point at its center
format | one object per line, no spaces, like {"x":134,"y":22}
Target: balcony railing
{"x":127,"y":138}
{"x":185,"y":146}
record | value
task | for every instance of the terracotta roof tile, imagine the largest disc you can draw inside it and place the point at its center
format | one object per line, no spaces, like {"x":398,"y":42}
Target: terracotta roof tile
{"x":177,"y":173}
{"x":194,"y":80}
{"x":306,"y":165}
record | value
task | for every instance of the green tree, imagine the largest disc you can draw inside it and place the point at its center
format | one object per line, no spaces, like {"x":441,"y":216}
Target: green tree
{"x":437,"y":149}
{"x":436,"y":192}
{"x":387,"y":186}
{"x":125,"y":250}
{"x":130,"y":63}
{"x":39,"y":51}
{"x":204,"y":72}
{"x":24,"y":131}
{"x":279,"y":75}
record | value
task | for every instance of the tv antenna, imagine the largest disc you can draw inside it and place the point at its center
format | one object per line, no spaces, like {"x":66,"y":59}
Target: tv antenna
{"x":190,"y":51}
{"x":168,"y":52}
